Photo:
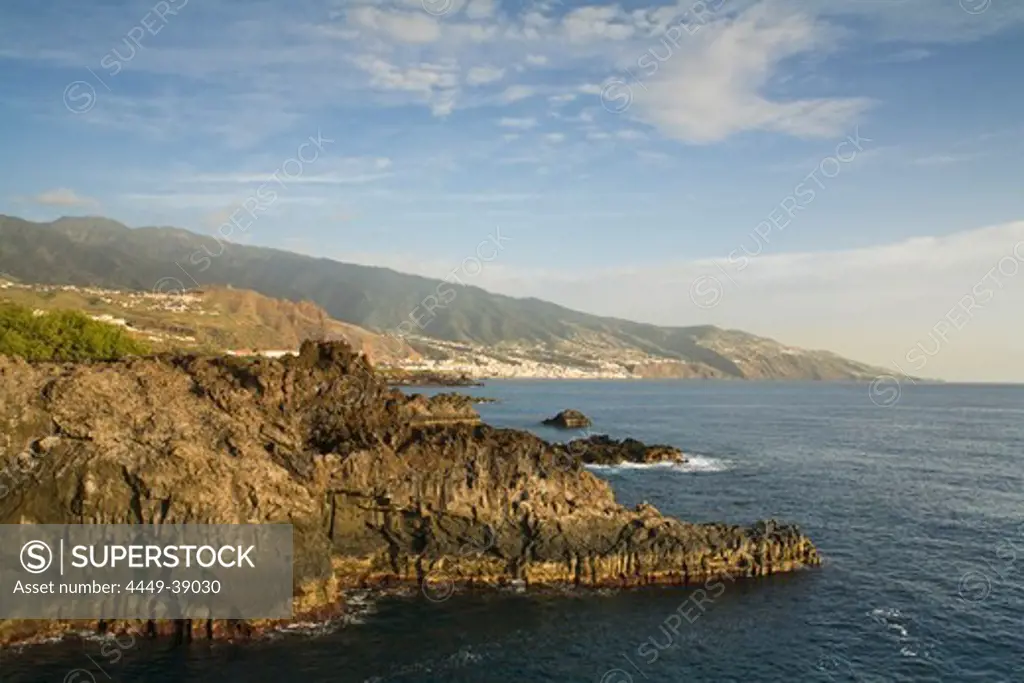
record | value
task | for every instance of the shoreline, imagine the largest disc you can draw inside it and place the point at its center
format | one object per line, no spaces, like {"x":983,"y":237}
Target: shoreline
{"x":385,"y":491}
{"x":333,"y":618}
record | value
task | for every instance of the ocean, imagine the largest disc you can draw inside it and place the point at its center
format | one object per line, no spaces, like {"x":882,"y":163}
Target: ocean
{"x":917,"y":507}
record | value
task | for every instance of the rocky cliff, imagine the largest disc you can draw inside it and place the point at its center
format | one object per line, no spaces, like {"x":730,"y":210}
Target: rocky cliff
{"x":382,"y":489}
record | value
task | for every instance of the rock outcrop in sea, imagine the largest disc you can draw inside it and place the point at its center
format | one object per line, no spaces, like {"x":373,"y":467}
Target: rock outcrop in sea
{"x":383,"y":490}
{"x":568,"y":419}
{"x":601,"y":449}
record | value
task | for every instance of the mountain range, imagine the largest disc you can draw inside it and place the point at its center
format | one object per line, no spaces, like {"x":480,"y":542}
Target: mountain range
{"x":466,"y":323}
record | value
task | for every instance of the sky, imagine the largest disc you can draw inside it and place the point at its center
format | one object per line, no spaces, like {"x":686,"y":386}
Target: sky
{"x":835,"y":175}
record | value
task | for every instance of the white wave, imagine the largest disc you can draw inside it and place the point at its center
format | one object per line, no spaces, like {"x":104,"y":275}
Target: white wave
{"x":890,"y":618}
{"x":693,"y":464}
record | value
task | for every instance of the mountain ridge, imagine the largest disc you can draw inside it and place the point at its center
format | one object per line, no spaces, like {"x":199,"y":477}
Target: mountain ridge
{"x":101,"y":252}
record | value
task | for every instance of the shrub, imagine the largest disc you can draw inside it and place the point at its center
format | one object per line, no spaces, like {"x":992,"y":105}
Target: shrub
{"x":62,"y":336}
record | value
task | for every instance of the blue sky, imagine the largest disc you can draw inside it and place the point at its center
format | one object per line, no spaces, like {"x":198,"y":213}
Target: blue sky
{"x":626,"y":150}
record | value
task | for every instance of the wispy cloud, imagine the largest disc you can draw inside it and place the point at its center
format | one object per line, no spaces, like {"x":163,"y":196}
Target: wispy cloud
{"x":305,"y":179}
{"x":63,"y":197}
{"x":518,"y":123}
{"x":718,"y":90}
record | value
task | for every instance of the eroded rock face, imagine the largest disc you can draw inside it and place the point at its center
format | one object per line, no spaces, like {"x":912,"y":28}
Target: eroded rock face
{"x":604,"y":450}
{"x":381,"y":488}
{"x":568,"y":419}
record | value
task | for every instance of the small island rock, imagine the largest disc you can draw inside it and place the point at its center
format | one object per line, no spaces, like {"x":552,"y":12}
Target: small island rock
{"x":568,"y":419}
{"x":604,"y":450}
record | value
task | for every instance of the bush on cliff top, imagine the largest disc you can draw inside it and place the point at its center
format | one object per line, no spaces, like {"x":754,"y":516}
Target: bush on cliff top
{"x":61,"y":336}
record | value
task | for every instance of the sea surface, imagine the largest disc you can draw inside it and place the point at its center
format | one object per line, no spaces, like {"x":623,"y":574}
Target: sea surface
{"x":917,"y":507}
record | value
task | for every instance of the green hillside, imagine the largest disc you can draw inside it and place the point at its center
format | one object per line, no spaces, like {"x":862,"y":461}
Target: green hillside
{"x":104,"y":253}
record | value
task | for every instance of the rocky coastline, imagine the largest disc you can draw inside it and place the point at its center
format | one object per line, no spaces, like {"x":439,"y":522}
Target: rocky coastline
{"x":383,"y":490}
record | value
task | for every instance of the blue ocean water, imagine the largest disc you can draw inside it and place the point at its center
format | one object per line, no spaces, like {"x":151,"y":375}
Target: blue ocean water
{"x":917,"y":507}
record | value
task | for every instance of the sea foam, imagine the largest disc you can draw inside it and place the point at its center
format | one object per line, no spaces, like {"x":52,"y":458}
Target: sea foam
{"x":695,"y":464}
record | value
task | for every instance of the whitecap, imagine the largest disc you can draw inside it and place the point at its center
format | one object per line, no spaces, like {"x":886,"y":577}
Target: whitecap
{"x":891,"y":618}
{"x":464,"y":657}
{"x":695,"y":464}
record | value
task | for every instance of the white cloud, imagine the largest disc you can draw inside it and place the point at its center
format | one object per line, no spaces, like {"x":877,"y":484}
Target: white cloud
{"x":565,"y":98}
{"x":630,"y":134}
{"x":481,"y":75}
{"x":555,"y":137}
{"x":273,"y":67}
{"x":716,"y":91}
{"x":435,"y":83}
{"x":405,"y":27}
{"x":594,"y":23}
{"x":517,"y":92}
{"x":424,"y":77}
{"x":943,"y":159}
{"x":519,"y":123}
{"x":481,"y":9}
{"x":63,"y":197}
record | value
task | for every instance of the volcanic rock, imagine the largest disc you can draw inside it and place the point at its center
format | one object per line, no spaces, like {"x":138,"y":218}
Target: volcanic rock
{"x":603,"y":450}
{"x":381,"y":489}
{"x":568,"y":419}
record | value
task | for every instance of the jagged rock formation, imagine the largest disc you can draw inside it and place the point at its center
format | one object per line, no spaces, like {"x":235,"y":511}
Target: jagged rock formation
{"x":401,"y":377}
{"x":382,"y":489}
{"x":568,"y":419}
{"x":604,"y":450}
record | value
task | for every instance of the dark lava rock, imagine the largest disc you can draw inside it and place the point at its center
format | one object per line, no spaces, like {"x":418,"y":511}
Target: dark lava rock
{"x":429,"y":378}
{"x":568,"y":419}
{"x":604,"y":450}
{"x":382,"y":489}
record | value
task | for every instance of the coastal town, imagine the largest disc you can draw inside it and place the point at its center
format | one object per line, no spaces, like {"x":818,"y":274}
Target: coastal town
{"x":137,"y":312}
{"x":240,"y":322}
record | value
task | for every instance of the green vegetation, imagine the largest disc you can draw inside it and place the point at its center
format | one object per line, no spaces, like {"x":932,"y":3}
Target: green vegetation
{"x":103,"y":253}
{"x":61,"y":336}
